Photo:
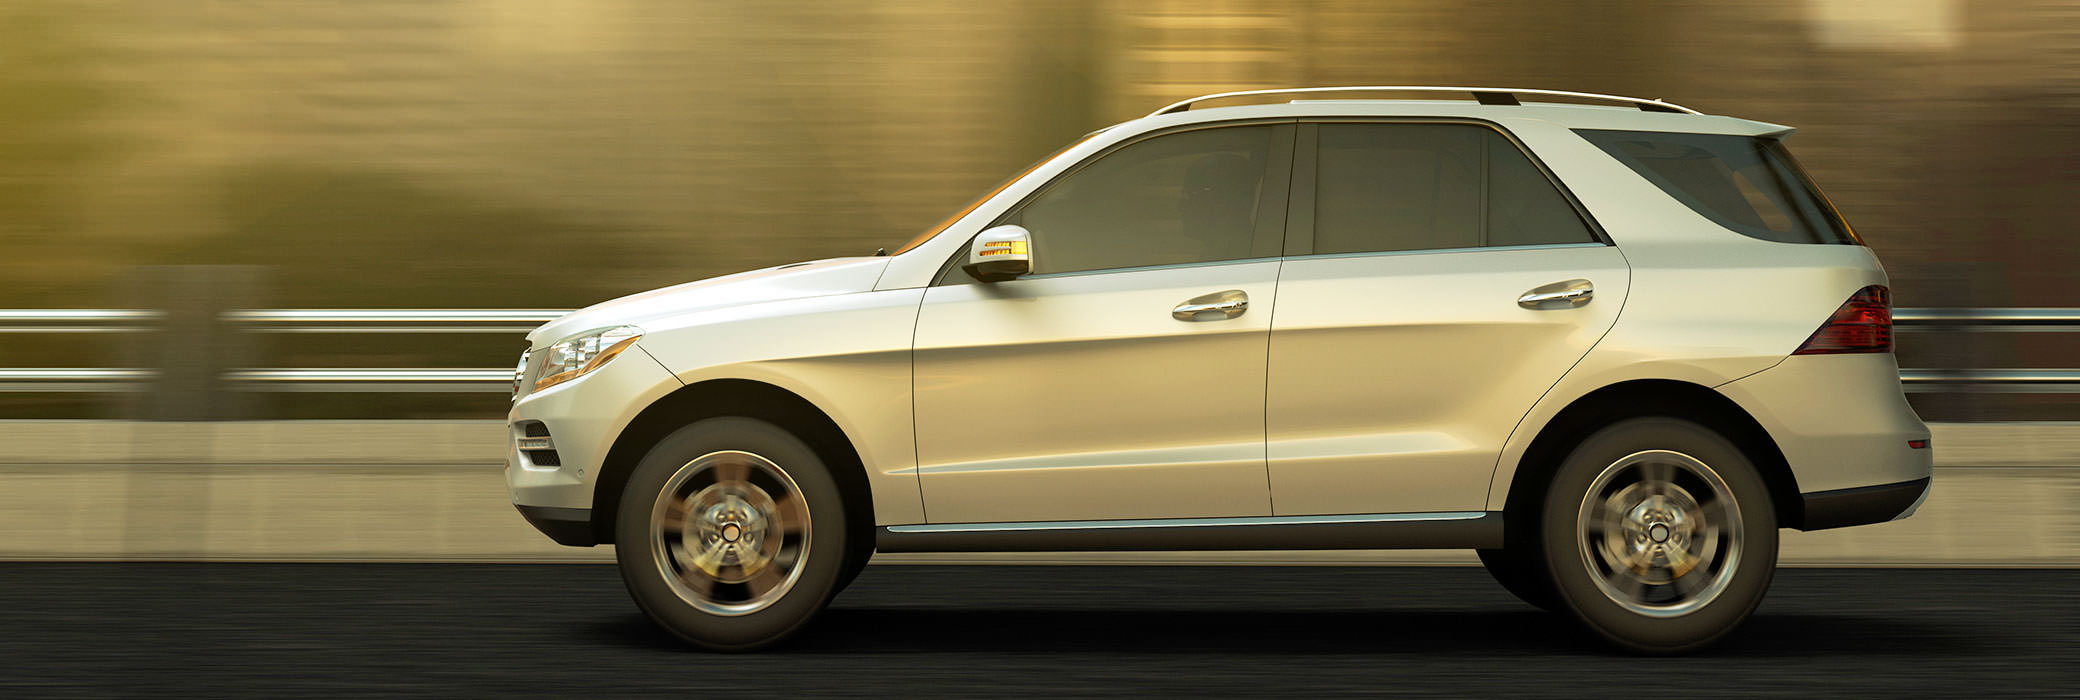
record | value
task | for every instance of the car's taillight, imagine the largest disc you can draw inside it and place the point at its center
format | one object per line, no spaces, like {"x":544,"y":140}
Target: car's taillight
{"x":1863,"y":324}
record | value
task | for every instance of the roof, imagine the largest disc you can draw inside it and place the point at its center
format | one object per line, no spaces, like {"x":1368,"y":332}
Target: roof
{"x":1489,"y":104}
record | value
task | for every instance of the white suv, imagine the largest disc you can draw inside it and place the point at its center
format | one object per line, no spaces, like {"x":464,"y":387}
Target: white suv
{"x":1613,"y":347}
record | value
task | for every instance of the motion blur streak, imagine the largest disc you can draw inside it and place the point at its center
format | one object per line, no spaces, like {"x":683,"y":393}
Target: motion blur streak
{"x":459,"y":146}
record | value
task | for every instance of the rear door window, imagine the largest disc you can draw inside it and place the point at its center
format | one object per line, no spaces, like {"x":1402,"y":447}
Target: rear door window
{"x":1403,"y":186}
{"x":1749,"y":185}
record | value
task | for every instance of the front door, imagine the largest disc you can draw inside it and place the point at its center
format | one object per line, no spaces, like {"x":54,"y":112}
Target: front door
{"x":1083,"y":391}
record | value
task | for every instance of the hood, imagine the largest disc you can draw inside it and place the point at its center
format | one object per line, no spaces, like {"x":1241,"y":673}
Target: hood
{"x":793,"y":281}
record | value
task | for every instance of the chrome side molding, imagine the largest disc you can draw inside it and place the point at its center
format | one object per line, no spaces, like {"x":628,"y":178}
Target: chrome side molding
{"x":1442,"y":530}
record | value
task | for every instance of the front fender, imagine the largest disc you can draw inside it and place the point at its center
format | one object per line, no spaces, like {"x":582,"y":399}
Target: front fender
{"x":848,"y":355}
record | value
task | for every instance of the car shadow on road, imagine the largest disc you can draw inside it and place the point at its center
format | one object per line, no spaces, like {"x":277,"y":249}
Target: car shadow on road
{"x":1372,"y":631}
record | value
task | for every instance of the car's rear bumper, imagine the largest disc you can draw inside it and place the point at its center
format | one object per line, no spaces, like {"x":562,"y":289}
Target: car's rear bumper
{"x":1863,"y":505}
{"x":568,"y":526}
{"x":1855,"y":448}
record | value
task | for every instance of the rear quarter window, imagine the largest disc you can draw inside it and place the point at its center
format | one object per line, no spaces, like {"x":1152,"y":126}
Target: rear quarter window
{"x":1749,"y":185}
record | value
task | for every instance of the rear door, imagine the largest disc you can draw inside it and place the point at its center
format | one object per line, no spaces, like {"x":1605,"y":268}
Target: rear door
{"x":1437,"y":284}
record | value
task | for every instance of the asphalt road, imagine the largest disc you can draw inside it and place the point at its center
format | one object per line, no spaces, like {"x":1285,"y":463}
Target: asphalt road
{"x":568,"y":631}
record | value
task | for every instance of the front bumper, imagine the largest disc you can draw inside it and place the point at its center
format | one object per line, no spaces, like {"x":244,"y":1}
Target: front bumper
{"x":1863,"y":505}
{"x":571,"y":527}
{"x":580,"y":420}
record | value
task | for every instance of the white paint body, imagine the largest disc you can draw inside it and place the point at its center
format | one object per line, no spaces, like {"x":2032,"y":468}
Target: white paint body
{"x":1372,"y":383}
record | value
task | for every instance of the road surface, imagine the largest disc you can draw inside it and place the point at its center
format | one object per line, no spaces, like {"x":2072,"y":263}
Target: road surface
{"x":569,"y":631}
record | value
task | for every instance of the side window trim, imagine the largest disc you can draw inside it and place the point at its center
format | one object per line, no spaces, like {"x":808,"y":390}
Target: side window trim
{"x":1300,"y":207}
{"x":1146,"y":268}
{"x":1300,"y":228}
{"x":1277,"y":197}
{"x":1270,"y":235}
{"x":1436,"y":251}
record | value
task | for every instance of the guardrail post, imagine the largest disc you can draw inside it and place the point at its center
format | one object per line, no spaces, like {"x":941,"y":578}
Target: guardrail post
{"x":192,"y":348}
{"x":1954,"y":284}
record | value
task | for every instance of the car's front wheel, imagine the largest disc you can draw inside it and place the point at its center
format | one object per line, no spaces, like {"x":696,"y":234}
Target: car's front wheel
{"x":731,"y":534}
{"x":1660,"y":534}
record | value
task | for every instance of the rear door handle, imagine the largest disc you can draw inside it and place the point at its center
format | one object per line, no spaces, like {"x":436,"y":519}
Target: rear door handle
{"x":1558,"y":295}
{"x":1218,"y":306}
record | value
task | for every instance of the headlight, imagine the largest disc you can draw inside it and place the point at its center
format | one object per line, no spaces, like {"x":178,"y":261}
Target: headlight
{"x":579,"y":354}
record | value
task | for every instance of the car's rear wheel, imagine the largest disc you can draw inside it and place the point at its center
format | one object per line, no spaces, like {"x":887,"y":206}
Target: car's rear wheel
{"x":731,"y":534}
{"x":1660,"y":534}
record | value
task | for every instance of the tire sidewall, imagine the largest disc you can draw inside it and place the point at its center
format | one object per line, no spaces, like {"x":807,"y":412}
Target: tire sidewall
{"x":1572,"y":577}
{"x":827,"y":549}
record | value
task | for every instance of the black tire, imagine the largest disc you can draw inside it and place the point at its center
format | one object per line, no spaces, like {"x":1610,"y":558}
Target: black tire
{"x":855,"y":563}
{"x":1619,"y":585}
{"x":1521,"y":571}
{"x":745,"y":605}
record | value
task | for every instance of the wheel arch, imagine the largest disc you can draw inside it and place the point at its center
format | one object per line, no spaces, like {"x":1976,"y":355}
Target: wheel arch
{"x":1652,"y":397}
{"x":733,"y":397}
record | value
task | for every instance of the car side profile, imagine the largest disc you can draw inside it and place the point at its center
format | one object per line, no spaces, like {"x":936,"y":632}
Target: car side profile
{"x":1610,"y":343}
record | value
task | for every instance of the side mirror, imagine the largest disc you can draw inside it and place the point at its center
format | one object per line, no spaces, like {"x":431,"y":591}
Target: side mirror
{"x":1000,"y":254}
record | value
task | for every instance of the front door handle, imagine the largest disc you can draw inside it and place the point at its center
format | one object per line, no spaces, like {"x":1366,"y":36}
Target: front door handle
{"x":1218,"y":306}
{"x":1558,"y":295}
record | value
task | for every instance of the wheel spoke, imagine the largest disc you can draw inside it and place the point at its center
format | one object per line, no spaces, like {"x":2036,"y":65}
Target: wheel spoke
{"x":1706,"y":544}
{"x":712,"y":558}
{"x":698,"y":582}
{"x":765,"y":581}
{"x":1712,"y":513}
{"x":731,"y":469}
{"x":1689,"y":584}
{"x":1657,"y":476}
{"x":674,"y":520}
{"x":1600,"y":511}
{"x":681,"y":557}
{"x":792,"y":513}
{"x":1624,"y":583}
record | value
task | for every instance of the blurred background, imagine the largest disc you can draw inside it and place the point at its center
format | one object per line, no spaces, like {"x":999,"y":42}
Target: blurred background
{"x":549,"y":154}
{"x":188,"y":158}
{"x":554,"y":153}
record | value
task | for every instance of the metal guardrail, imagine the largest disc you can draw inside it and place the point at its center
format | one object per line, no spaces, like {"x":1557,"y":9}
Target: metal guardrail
{"x":2010,"y":319}
{"x":513,"y":321}
{"x":76,"y":320}
{"x":364,"y":380}
{"x":518,"y":321}
{"x":74,"y":380}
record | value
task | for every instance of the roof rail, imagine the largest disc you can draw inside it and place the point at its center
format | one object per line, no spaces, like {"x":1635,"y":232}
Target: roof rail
{"x":1486,"y":96}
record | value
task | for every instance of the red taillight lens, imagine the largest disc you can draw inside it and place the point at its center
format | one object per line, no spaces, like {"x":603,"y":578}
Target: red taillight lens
{"x":1863,"y":324}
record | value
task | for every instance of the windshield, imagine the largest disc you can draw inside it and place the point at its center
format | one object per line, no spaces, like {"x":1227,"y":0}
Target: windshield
{"x":941,"y":226}
{"x":1747,"y":184}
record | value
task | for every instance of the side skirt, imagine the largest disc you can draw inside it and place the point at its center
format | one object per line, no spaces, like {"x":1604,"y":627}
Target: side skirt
{"x":1471,"y":530}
